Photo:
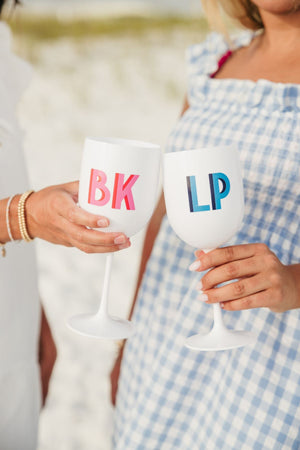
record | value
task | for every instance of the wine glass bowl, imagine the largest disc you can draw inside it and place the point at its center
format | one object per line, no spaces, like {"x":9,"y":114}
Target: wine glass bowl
{"x":118,"y":180}
{"x":199,"y":212}
{"x":204,"y":198}
{"x":110,"y":166}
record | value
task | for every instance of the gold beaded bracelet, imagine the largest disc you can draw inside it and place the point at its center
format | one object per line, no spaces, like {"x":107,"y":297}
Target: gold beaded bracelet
{"x":21,"y":216}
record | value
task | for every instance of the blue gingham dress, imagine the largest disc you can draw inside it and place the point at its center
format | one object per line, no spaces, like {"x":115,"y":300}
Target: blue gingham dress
{"x":171,"y":397}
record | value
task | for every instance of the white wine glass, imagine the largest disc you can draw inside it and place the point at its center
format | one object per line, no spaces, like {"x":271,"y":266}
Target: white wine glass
{"x":205,"y":206}
{"x":118,"y":180}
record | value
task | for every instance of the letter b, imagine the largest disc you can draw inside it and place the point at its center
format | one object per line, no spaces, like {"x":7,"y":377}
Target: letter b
{"x":98,"y":184}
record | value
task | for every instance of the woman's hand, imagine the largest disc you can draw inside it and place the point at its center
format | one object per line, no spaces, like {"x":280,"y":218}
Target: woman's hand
{"x":53,"y":215}
{"x":261,"y":280}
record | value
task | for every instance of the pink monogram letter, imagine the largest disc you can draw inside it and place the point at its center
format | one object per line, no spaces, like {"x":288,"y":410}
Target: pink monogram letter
{"x":122,"y":191}
{"x":97,"y":185}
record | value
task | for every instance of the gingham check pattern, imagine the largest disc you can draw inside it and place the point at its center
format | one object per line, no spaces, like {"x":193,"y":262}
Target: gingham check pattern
{"x":173,"y":398}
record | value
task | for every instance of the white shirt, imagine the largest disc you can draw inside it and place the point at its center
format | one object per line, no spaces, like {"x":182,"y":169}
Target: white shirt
{"x":19,"y":299}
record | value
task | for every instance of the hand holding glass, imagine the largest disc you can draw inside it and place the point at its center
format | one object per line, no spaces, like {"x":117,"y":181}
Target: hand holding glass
{"x":205,"y":206}
{"x":119,"y":180}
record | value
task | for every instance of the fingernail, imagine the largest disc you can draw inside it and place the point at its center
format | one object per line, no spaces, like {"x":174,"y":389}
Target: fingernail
{"x":199,"y":286}
{"x":195,"y":266}
{"x":203,"y":298}
{"x":102,"y":223}
{"x":120,"y":239}
{"x":123,"y":246}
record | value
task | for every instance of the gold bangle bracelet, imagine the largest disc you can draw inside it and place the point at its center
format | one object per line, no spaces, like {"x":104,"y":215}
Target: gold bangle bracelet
{"x":21,"y":216}
{"x":7,"y":218}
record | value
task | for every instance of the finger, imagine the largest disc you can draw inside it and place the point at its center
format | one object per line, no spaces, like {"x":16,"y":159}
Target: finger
{"x":236,"y":290}
{"x":57,"y":238}
{"x":258,"y":300}
{"x":85,"y":236}
{"x":65,"y":204}
{"x":199,"y":253}
{"x":231,"y":271}
{"x":100,"y":248}
{"x":77,"y":215}
{"x":225,"y":255}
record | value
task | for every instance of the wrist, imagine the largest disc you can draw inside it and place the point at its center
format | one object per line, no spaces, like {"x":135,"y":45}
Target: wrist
{"x":13,"y":218}
{"x":19,"y":217}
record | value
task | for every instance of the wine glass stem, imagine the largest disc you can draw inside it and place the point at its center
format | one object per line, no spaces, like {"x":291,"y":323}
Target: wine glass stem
{"x":218,"y":320}
{"x":103,"y":308}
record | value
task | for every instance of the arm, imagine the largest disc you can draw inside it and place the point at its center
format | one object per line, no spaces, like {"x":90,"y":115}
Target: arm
{"x":47,"y":355}
{"x":151,"y":233}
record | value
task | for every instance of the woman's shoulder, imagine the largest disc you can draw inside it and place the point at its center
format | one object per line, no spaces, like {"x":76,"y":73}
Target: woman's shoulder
{"x":202,"y":58}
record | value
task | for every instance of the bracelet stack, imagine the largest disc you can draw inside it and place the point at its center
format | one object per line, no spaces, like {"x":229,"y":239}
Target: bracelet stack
{"x":21,"y":220}
{"x":21,"y":216}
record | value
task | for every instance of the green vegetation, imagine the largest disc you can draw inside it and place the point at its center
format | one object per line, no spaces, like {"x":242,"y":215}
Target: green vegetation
{"x":49,"y":28}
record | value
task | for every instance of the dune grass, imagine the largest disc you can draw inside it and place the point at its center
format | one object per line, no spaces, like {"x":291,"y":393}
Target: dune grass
{"x":51,"y":27}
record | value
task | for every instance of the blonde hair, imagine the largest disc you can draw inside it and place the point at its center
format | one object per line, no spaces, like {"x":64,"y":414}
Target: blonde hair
{"x":244,"y":12}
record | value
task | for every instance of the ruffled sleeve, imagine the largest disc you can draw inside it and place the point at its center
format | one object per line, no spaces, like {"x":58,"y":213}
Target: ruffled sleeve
{"x":202,"y":59}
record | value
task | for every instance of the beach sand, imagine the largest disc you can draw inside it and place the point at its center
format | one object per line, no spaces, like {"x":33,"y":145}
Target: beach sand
{"x":120,"y":86}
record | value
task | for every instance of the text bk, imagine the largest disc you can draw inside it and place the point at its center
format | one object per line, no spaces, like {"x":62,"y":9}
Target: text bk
{"x":122,"y":190}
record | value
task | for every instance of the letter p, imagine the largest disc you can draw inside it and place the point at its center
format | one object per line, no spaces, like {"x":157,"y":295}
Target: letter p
{"x":216,"y":194}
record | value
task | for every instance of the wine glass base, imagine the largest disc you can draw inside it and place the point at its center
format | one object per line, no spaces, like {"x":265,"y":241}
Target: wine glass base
{"x":217,"y":339}
{"x":102,"y":328}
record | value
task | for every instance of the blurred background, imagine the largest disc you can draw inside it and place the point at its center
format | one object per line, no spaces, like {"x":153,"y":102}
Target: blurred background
{"x":114,"y":68}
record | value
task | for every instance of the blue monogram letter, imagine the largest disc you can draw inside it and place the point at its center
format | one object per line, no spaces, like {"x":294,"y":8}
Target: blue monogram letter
{"x":193,"y":198}
{"x":216,"y":194}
